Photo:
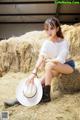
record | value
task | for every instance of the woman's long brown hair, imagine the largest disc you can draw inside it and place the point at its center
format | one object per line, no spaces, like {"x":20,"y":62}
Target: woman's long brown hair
{"x":54,"y":22}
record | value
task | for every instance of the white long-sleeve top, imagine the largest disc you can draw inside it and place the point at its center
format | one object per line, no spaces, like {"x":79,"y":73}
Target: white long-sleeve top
{"x":55,"y":50}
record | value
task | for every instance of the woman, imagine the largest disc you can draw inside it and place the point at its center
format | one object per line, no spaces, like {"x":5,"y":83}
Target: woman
{"x":53,"y":54}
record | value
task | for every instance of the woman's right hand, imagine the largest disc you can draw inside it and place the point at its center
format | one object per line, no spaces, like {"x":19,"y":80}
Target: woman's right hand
{"x":34,"y":71}
{"x":31,"y":79}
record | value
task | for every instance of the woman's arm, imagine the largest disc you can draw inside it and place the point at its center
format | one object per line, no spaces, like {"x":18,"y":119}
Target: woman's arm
{"x":38,"y":64}
{"x":42,"y":57}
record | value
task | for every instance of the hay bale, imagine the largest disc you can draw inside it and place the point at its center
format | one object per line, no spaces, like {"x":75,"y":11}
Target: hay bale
{"x":20,"y":53}
{"x":67,"y":83}
{"x":70,"y":83}
{"x":71,"y":33}
{"x":0,"y":73}
{"x":25,"y":55}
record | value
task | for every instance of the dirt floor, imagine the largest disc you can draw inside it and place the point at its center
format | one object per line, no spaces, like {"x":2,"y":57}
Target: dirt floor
{"x":66,"y":107}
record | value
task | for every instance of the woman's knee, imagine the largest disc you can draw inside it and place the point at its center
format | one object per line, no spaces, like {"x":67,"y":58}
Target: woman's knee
{"x":71,"y":70}
{"x":55,"y":73}
{"x":49,"y":66}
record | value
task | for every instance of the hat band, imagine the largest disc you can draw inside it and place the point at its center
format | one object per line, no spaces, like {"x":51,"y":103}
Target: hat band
{"x":31,"y":96}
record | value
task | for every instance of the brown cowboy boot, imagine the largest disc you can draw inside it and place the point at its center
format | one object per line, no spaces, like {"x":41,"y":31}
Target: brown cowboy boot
{"x":46,"y":94}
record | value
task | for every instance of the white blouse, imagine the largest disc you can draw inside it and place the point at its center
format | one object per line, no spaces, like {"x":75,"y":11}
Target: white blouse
{"x":55,"y":50}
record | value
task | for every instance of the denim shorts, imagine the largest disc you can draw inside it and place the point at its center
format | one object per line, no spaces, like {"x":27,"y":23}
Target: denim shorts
{"x":71,"y":63}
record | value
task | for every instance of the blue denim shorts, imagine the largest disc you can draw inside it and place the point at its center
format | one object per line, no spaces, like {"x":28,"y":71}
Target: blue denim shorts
{"x":71,"y":63}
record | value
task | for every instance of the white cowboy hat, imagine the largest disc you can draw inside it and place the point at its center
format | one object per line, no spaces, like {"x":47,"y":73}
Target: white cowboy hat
{"x":29,"y":94}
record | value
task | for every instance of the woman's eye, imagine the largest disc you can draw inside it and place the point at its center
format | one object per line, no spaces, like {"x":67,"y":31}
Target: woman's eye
{"x":51,"y":28}
{"x":46,"y":29}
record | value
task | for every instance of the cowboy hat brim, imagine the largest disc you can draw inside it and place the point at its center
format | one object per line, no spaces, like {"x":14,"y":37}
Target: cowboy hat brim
{"x":29,"y":101}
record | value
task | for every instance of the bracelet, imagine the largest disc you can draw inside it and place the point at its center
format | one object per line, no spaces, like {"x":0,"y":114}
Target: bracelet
{"x":35,"y":74}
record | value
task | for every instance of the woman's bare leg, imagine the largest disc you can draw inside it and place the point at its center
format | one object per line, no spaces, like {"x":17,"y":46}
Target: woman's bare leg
{"x":52,"y":70}
{"x":60,"y":68}
{"x":49,"y":73}
{"x":48,"y":70}
{"x":48,"y":77}
{"x":63,"y":68}
{"x":42,"y":79}
{"x":46,"y":89}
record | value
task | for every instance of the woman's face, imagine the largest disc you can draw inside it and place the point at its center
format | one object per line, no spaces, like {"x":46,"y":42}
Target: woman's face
{"x":51,"y":31}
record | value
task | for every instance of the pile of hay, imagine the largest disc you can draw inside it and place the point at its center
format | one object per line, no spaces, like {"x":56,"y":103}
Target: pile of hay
{"x":19,"y":54}
{"x":71,"y":32}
